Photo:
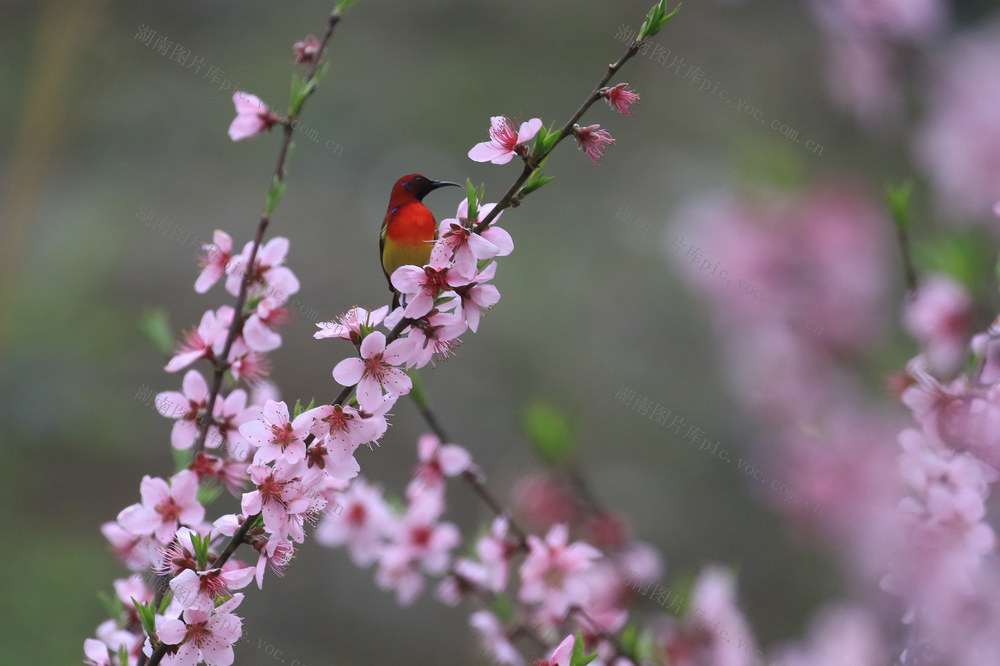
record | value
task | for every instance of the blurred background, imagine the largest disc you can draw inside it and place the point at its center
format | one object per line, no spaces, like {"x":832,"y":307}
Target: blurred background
{"x":116,"y":166}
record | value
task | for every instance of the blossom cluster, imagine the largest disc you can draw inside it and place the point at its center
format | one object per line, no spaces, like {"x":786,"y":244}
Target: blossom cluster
{"x":293,"y":466}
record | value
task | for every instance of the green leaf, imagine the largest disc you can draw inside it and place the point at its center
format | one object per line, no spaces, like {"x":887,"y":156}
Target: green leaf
{"x":298,"y":85}
{"x":549,"y":432}
{"x":343,"y":6}
{"x":898,"y":198}
{"x":299,"y":408}
{"x":472,"y":194}
{"x":656,"y":19}
{"x":155,"y":324}
{"x":122,"y":654}
{"x":535,"y":181}
{"x":579,"y":658}
{"x":200,"y":545}
{"x":147,"y":615}
{"x":274,"y":195}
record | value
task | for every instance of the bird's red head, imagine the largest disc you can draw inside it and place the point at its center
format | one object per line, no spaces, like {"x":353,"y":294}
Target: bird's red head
{"x":417,"y":186}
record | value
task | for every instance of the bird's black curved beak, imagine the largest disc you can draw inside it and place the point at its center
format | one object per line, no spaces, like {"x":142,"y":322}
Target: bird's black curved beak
{"x":441,"y":183}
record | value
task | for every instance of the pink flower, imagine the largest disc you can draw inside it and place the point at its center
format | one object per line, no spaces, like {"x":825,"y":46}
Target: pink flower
{"x":276,"y":436}
{"x":475,"y":295}
{"x":551,"y":573}
{"x":504,"y":142}
{"x":199,"y":590}
{"x":252,"y":117}
{"x":939,"y":316}
{"x":214,"y":260}
{"x":277,"y":553}
{"x":422,"y":286}
{"x":164,"y":507}
{"x":495,"y":639}
{"x":375,"y":372}
{"x":420,"y":538}
{"x":461,"y":246}
{"x":620,"y":98}
{"x":281,"y":499}
{"x":362,"y":525}
{"x":306,"y":51}
{"x":203,"y":635}
{"x":592,"y":140}
{"x":438,"y":461}
{"x":187,"y":408}
{"x":434,"y":337}
{"x":958,"y":142}
{"x":495,"y":553}
{"x":561,"y":655}
{"x":230,"y":413}
{"x":269,"y":278}
{"x":417,"y":542}
{"x":348,"y":326}
{"x":207,"y":341}
{"x":137,"y":552}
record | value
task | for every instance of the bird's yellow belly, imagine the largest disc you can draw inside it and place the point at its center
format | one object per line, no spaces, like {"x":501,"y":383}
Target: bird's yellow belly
{"x":398,"y":254}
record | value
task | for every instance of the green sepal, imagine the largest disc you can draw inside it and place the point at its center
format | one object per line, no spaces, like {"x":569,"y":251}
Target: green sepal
{"x":898,"y":198}
{"x":548,"y":431}
{"x":299,"y":408}
{"x":147,"y":615}
{"x":656,"y":19}
{"x":122,"y":654}
{"x":274,"y":194}
{"x":155,"y":324}
{"x":579,"y":657}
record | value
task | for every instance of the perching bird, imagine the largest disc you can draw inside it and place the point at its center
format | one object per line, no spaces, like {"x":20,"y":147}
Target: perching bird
{"x":409,"y":229}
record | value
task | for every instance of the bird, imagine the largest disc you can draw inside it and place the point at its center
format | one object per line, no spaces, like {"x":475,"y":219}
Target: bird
{"x":409,"y":228}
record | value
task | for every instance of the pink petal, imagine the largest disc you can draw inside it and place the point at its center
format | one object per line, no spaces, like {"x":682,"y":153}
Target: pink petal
{"x":349,"y":371}
{"x":529,"y":130}
{"x":171,"y":632}
{"x":194,"y":386}
{"x":259,"y":337}
{"x":244,"y":127}
{"x":373,"y":344}
{"x":488,"y":152}
{"x":274,"y":251}
{"x":369,"y":393}
{"x":453,"y":459}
